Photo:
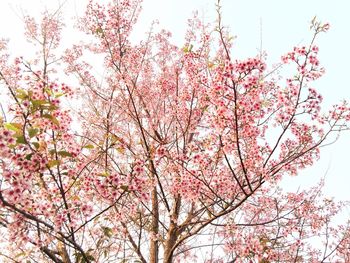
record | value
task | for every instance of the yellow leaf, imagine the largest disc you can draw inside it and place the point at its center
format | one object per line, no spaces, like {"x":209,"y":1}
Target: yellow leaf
{"x":53,"y":163}
{"x":120,"y":149}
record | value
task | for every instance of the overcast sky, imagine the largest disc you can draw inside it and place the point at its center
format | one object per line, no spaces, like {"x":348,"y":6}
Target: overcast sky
{"x":282,"y":24}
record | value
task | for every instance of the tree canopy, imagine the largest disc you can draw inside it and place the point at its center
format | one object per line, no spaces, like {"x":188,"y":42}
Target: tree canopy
{"x":171,"y":152}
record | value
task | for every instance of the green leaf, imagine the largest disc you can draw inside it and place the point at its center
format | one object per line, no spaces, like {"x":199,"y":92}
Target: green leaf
{"x":99,"y":242}
{"x":107,"y":231}
{"x":36,"y":145}
{"x":53,"y":163}
{"x":59,"y":94}
{"x":48,"y":91}
{"x":89,"y":257}
{"x":64,"y":154}
{"x":125,"y":188}
{"x":78,"y":257}
{"x":12,"y":146}
{"x":13,"y":126}
{"x":21,"y":94}
{"x":187,"y":49}
{"x":37,"y":103}
{"x":51,"y":118}
{"x":29,"y":156}
{"x":89,"y":146}
{"x":99,"y":31}
{"x":52,"y":107}
{"x":20,"y":255}
{"x":21,"y":139}
{"x":43,"y":104}
{"x":33,"y":132}
{"x":104,"y":174}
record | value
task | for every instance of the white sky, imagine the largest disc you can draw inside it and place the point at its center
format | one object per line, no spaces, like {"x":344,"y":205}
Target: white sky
{"x":284,"y":24}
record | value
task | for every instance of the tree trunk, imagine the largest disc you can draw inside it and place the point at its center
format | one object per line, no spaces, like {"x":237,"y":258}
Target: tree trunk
{"x":173,"y":232}
{"x":62,"y":251}
{"x":154,"y":249}
{"x":169,"y":244}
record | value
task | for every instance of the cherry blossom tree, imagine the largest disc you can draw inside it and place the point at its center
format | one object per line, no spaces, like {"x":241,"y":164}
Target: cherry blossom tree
{"x":173,"y":151}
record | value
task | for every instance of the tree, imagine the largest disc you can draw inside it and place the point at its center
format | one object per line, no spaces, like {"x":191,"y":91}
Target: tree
{"x":174,"y":150}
